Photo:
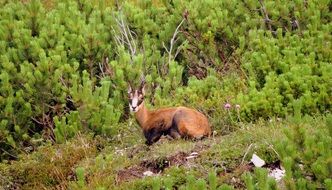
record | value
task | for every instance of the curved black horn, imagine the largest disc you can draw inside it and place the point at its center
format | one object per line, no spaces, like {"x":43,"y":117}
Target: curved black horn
{"x":130,"y":88}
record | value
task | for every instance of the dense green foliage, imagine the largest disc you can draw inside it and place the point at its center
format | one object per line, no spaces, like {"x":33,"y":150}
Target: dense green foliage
{"x":307,"y":156}
{"x":260,"y":180}
{"x":64,"y":68}
{"x":67,"y":68}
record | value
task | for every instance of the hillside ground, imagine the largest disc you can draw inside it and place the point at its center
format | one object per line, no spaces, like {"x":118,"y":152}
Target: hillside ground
{"x":124,"y":161}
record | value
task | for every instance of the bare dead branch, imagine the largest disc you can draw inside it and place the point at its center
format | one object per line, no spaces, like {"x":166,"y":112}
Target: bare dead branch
{"x":165,"y":48}
{"x":35,"y":120}
{"x":271,"y":146}
{"x":105,"y":68}
{"x":63,"y":82}
{"x":266,"y":15}
{"x":123,"y":36}
{"x":172,"y":42}
{"x":178,"y":50}
{"x":101,"y":69}
{"x":132,"y":40}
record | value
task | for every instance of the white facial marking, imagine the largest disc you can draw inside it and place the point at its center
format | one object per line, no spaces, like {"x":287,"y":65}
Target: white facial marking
{"x":135,"y":100}
{"x":134,"y":107}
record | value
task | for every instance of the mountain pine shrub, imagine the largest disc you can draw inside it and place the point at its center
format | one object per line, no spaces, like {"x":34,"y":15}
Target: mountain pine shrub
{"x":259,"y":180}
{"x":43,"y":53}
{"x":289,"y":61}
{"x":65,"y":65}
{"x":306,"y":155}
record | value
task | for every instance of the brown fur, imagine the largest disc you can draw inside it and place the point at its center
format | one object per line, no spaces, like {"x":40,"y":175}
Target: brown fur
{"x":176,"y":122}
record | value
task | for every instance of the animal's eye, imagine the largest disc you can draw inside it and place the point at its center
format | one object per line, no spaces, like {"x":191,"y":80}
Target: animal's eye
{"x":140,"y":101}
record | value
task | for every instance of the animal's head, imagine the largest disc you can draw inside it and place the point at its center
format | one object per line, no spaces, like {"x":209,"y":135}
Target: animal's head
{"x":136,"y":96}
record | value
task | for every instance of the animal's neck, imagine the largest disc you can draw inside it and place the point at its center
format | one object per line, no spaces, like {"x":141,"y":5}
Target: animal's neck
{"x":142,"y":115}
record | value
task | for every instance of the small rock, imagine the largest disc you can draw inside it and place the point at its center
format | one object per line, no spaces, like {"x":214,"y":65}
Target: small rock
{"x":148,"y":173}
{"x":233,"y":179}
{"x":257,"y":161}
{"x":301,"y":166}
{"x":277,"y":174}
{"x":119,"y":152}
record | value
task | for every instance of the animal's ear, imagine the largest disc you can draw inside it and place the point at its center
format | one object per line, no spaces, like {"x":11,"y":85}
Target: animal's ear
{"x":142,"y":86}
{"x":129,"y":89}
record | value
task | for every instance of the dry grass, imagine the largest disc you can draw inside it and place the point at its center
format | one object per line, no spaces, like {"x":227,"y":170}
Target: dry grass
{"x":50,"y":167}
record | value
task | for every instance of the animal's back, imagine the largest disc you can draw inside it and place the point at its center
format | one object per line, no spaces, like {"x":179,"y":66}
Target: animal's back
{"x":185,"y":121}
{"x":191,"y":123}
{"x":164,"y":116}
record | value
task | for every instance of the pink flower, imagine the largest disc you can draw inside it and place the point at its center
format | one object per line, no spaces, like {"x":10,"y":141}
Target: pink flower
{"x":227,"y":106}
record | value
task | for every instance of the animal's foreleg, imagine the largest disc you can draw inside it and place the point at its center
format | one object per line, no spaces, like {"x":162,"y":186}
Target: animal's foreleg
{"x":152,"y":136}
{"x":174,"y":133}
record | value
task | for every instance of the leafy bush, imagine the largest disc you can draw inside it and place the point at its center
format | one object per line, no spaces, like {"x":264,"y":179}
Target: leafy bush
{"x":43,"y":53}
{"x":180,"y":180}
{"x":284,"y":69}
{"x":259,"y":180}
{"x":306,"y":155}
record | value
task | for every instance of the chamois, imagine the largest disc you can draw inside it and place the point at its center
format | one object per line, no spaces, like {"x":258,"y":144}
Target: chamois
{"x":176,"y":122}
